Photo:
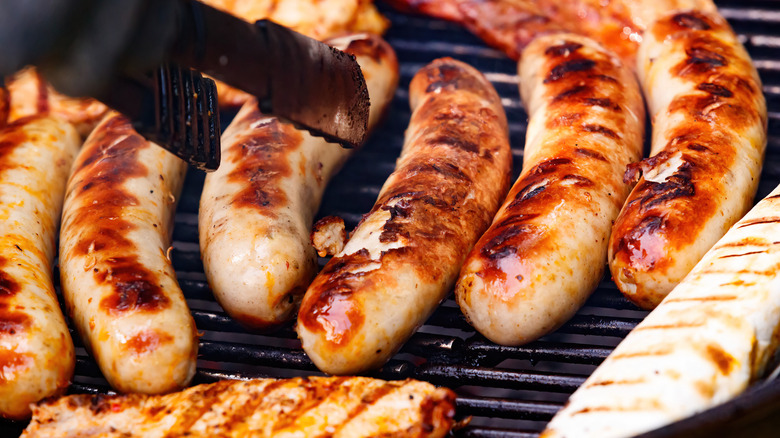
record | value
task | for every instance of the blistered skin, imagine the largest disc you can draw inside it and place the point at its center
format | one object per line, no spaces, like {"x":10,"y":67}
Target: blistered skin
{"x":709,"y":135}
{"x":704,"y":344}
{"x":547,"y":247}
{"x":257,"y":209}
{"x":117,"y":280}
{"x":405,"y":254}
{"x":339,"y":407}
{"x":36,"y":351}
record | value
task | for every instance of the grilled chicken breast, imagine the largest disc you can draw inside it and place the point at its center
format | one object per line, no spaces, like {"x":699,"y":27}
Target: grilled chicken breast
{"x":704,"y":344}
{"x":299,"y":407}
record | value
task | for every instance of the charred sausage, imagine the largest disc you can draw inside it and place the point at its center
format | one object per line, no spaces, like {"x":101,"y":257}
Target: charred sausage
{"x":257,"y":209}
{"x":118,"y":284}
{"x":547,"y":247}
{"x":36,"y":351}
{"x":405,"y":254}
{"x":709,"y":134}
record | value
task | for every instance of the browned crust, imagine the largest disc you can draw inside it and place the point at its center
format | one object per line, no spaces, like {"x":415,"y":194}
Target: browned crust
{"x":656,"y":222}
{"x":576,"y":168}
{"x":109,"y":159}
{"x":440,"y":199}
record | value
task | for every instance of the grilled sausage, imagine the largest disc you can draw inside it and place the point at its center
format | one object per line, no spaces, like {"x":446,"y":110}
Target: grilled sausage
{"x":709,"y":134}
{"x":547,"y":247}
{"x":405,"y":254}
{"x":30,"y":94}
{"x":118,"y":284}
{"x":710,"y":338}
{"x":36,"y":351}
{"x":305,"y":407}
{"x":257,"y":209}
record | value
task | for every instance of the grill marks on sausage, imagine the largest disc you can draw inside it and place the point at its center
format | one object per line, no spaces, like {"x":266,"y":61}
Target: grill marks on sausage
{"x":111,"y":160}
{"x":571,"y":66}
{"x":11,"y":320}
{"x":724,"y":97}
{"x":262,"y":163}
{"x":456,"y":139}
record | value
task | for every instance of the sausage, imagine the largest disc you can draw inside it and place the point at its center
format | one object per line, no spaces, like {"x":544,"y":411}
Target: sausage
{"x":546,"y":250}
{"x":709,"y":135}
{"x":302,"y":406}
{"x":404,"y":256}
{"x":257,"y":209}
{"x":29,"y":94}
{"x":36,"y":351}
{"x":119,"y":286}
{"x":705,"y":343}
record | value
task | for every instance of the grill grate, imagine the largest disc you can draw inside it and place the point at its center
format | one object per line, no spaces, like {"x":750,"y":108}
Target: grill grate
{"x":508,"y":391}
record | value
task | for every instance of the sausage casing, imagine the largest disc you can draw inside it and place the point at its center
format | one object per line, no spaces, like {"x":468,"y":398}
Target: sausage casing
{"x":405,"y":254}
{"x":709,"y":134}
{"x":257,"y":209}
{"x":36,"y":351}
{"x":119,"y":285}
{"x":547,"y":247}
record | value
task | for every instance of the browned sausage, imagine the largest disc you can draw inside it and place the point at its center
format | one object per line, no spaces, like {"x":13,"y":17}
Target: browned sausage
{"x":709,"y":134}
{"x":547,"y":247}
{"x":405,"y":254}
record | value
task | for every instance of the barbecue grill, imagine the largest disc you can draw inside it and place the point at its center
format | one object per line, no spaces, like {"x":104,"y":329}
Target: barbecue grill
{"x":507,"y":391}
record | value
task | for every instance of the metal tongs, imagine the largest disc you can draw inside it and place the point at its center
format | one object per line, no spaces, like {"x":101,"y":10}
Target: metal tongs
{"x":143,"y":58}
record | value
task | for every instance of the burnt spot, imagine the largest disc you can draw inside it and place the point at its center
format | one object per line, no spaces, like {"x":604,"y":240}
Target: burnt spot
{"x":528,"y":192}
{"x":589,"y":153}
{"x":135,"y":287}
{"x":549,"y":165}
{"x":598,"y":129}
{"x":700,"y":148}
{"x":103,"y":403}
{"x":456,"y":142}
{"x":502,"y":244}
{"x":573,"y":91}
{"x":691,"y":20}
{"x":563,"y":69}
{"x":704,"y":57}
{"x":603,"y":102}
{"x":578,"y":180}
{"x":261,"y":162}
{"x":369,"y":47}
{"x":678,"y":185}
{"x":42,"y":104}
{"x":564,"y":49}
{"x":715,"y":89}
{"x":11,"y":320}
